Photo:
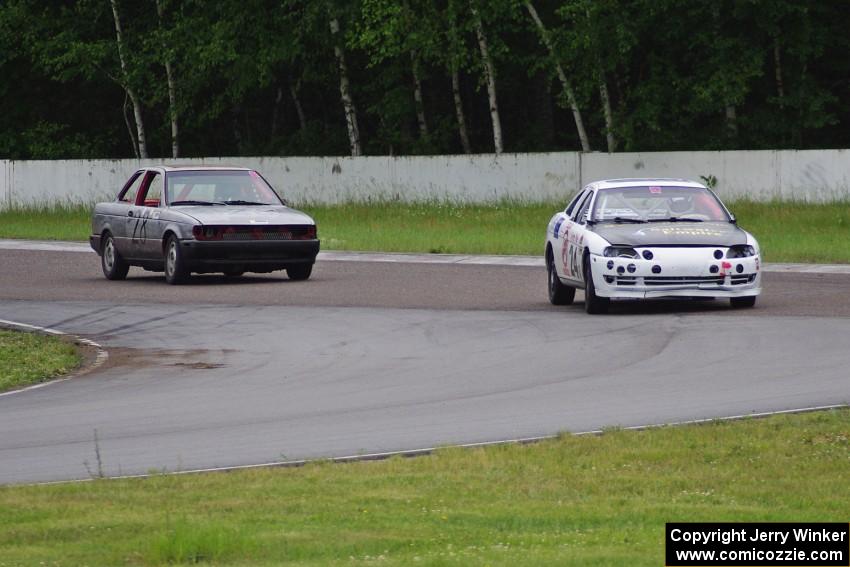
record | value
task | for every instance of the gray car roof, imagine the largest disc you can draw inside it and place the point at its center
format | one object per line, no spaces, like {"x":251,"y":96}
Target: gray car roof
{"x":188,"y":167}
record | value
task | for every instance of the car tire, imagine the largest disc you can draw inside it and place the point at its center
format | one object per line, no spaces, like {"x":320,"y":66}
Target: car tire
{"x":114,"y":266}
{"x":593,"y":304}
{"x":299,"y":272}
{"x":743,"y":302}
{"x":559,"y":294}
{"x":175,"y":267}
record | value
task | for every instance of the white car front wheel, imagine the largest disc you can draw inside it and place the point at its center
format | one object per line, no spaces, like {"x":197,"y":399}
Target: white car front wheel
{"x":743,"y":302}
{"x":593,"y":304}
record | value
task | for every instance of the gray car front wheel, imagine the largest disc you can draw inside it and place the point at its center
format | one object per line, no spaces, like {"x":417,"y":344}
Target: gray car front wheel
{"x":175,"y":267}
{"x":113,"y":265}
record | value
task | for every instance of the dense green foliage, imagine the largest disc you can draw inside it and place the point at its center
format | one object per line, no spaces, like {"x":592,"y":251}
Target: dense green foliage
{"x":592,"y":500}
{"x":261,"y":77}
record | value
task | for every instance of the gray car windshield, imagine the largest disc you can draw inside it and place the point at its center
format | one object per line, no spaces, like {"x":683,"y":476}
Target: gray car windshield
{"x":219,"y":188}
{"x":657,"y":204}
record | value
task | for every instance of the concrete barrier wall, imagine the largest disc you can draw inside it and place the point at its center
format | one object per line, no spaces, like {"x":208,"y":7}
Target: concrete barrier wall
{"x":5,"y":183}
{"x":811,"y":175}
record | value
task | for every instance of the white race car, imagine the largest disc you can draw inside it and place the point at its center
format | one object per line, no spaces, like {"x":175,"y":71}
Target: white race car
{"x":646,"y":239}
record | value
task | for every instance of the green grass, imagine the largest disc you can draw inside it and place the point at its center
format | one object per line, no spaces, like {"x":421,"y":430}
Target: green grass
{"x":592,"y":500}
{"x":46,"y":223}
{"x":505,"y":228}
{"x":28,"y":358}
{"x":787,"y":231}
{"x":798,"y":232}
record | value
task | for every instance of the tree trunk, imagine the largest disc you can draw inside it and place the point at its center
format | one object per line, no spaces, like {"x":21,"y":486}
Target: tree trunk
{"x":172,"y":102}
{"x":345,"y":93}
{"x":172,"y":96}
{"x":455,"y":73}
{"x":490,"y":76}
{"x":609,"y":116}
{"x":461,"y":119}
{"x":293,"y":91}
{"x":568,"y":90}
{"x":137,"y":109}
{"x":133,"y":143}
{"x":417,"y":96}
{"x":777,"y":66}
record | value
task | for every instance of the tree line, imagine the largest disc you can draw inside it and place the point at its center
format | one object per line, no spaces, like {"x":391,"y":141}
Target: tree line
{"x":173,"y":78}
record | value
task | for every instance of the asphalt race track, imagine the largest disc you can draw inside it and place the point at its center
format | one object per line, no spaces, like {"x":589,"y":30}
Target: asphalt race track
{"x":371,"y":357}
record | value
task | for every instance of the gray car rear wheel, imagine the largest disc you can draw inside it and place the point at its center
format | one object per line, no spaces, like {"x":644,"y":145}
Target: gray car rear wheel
{"x":113,"y":265}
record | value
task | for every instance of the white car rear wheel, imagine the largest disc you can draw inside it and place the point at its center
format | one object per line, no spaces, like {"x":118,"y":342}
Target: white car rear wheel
{"x":559,"y":294}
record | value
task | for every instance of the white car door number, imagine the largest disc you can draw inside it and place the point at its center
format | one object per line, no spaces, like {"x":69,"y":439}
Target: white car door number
{"x":570,"y":251}
{"x":575,"y":272}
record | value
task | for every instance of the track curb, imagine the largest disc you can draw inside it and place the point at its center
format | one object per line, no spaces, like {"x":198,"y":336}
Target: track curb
{"x":423,"y":452}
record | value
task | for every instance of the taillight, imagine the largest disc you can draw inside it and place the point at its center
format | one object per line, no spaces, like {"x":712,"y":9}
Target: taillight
{"x":310,"y":233}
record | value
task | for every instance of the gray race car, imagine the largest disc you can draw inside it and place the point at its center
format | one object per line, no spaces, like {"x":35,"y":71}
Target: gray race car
{"x":201,"y":219}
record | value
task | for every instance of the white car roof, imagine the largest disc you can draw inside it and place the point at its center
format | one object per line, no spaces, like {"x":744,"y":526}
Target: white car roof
{"x":631,"y":182}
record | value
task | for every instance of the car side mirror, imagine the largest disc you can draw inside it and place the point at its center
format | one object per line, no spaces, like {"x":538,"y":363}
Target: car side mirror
{"x":732,"y":219}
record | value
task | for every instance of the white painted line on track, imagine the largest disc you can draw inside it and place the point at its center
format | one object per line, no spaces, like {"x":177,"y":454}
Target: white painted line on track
{"x":45,"y":245}
{"x":101,"y":357}
{"x":429,"y":450}
{"x":403,"y":258}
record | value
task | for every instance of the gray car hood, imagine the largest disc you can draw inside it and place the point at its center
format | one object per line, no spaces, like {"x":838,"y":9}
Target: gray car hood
{"x":247,"y":214}
{"x":672,"y":234}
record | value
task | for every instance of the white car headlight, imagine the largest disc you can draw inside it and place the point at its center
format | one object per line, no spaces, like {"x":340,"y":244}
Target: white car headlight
{"x":740,"y":251}
{"x":620,"y":252}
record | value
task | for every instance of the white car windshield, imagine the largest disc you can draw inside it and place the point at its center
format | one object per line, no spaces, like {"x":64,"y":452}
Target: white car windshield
{"x":649,"y":203}
{"x":237,"y":187}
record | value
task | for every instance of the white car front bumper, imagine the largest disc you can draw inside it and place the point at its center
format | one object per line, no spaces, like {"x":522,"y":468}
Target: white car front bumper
{"x":676,"y":272}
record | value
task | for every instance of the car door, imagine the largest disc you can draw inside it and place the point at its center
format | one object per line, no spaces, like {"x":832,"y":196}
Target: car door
{"x":559,"y":229}
{"x":572,"y":238}
{"x":147,"y":232}
{"x":122,"y":222}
